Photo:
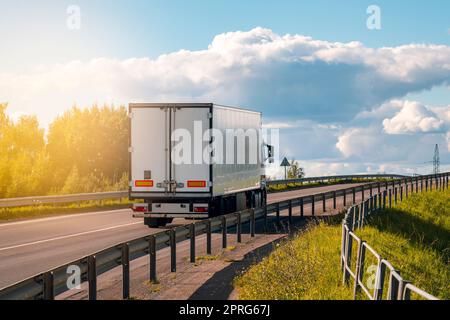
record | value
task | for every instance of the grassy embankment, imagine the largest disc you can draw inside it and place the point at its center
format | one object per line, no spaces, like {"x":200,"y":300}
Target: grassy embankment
{"x":414,"y":236}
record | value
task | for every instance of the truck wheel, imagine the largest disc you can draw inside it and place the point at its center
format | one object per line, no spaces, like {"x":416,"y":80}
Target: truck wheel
{"x":157,"y":222}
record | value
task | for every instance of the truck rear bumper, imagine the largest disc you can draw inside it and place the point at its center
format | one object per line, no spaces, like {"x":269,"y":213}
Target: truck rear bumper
{"x":170,"y":215}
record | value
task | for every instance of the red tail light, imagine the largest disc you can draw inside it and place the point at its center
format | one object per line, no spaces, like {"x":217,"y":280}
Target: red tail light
{"x":140,"y":208}
{"x":201,"y":209}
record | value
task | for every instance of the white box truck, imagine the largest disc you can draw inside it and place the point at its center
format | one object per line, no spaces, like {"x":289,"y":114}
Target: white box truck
{"x":195,"y":160}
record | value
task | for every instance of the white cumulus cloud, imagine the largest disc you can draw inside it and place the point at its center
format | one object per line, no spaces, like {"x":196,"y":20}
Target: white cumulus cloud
{"x":282,"y":75}
{"x":414,"y":117}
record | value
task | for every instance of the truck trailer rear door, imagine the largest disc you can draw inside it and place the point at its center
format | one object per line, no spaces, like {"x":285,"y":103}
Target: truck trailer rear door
{"x":149,"y":149}
{"x":190,"y":173}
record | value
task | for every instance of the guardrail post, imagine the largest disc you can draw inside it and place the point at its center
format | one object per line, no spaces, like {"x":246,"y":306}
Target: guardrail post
{"x":345,"y":198}
{"x":334,"y":200}
{"x":208,"y":237}
{"x":278,"y":212}
{"x":302,"y":209}
{"x":390,"y":198}
{"x":324,"y":202}
{"x":290,"y":211}
{"x":125,"y":271}
{"x":313,"y":204}
{"x":371,"y":190}
{"x":152,"y":255}
{"x":173,"y":251}
{"x":49,"y":292}
{"x":224,"y":231}
{"x":192,"y":241}
{"x":362,"y":192}
{"x":92,"y":277}
{"x":395,"y":195}
{"x":239,"y":228}
{"x":354,"y":196}
{"x":252,"y":224}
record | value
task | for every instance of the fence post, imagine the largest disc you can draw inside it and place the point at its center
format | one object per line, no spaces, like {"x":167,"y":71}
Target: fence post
{"x":379,"y":187}
{"x":354,"y":196}
{"x":395,"y":195}
{"x":384,"y":198}
{"x":192,"y":241}
{"x":426,"y":184}
{"x":347,"y":257}
{"x":152,"y":254}
{"x":125,"y":271}
{"x":406,"y":190}
{"x":362,"y":192}
{"x":208,"y":237}
{"x":380,"y":281}
{"x":224,"y":231}
{"x":401,"y":193}
{"x":370,"y":190}
{"x":49,"y":292}
{"x":359,"y":267}
{"x":92,"y":277}
{"x":173,"y":251}
{"x":313,"y":202}
{"x":345,"y":198}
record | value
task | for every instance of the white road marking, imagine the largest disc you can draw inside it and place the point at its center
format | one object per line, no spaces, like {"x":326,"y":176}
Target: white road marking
{"x":74,"y":215}
{"x":69,"y":236}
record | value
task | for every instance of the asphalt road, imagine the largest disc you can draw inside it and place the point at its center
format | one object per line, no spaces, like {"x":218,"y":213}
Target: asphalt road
{"x":30,"y":247}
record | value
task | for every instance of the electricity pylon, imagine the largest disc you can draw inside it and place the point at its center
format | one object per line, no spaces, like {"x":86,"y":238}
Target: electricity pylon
{"x":436,"y":161}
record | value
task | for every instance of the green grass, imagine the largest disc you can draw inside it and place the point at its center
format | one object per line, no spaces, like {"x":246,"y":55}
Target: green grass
{"x":414,"y":236}
{"x":305,"y":268}
{"x":41,"y":211}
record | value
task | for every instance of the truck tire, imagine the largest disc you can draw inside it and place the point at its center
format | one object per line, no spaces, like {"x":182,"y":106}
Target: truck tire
{"x":157,"y":222}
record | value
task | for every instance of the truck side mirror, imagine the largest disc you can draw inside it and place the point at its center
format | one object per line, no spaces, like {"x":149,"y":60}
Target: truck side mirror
{"x":270,"y":153}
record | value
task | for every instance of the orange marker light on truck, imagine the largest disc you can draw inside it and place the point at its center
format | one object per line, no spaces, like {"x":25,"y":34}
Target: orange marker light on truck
{"x":196,"y":184}
{"x":143,"y":183}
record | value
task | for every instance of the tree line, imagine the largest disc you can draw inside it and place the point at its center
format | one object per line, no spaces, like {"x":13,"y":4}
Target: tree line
{"x":83,"y":150}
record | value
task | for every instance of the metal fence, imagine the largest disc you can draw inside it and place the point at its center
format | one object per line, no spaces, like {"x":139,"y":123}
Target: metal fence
{"x":356,"y":217}
{"x":51,"y":283}
{"x":35,"y":201}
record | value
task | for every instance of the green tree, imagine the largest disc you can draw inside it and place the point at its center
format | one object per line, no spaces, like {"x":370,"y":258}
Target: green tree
{"x":295,"y":171}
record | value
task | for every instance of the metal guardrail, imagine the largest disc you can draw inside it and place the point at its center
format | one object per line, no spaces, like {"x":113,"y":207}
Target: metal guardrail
{"x":398,"y":287}
{"x":51,"y":283}
{"x":334,"y":178}
{"x":34,"y":201}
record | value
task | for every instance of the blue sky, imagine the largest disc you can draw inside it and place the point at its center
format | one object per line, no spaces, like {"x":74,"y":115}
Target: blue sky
{"x":324,"y":97}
